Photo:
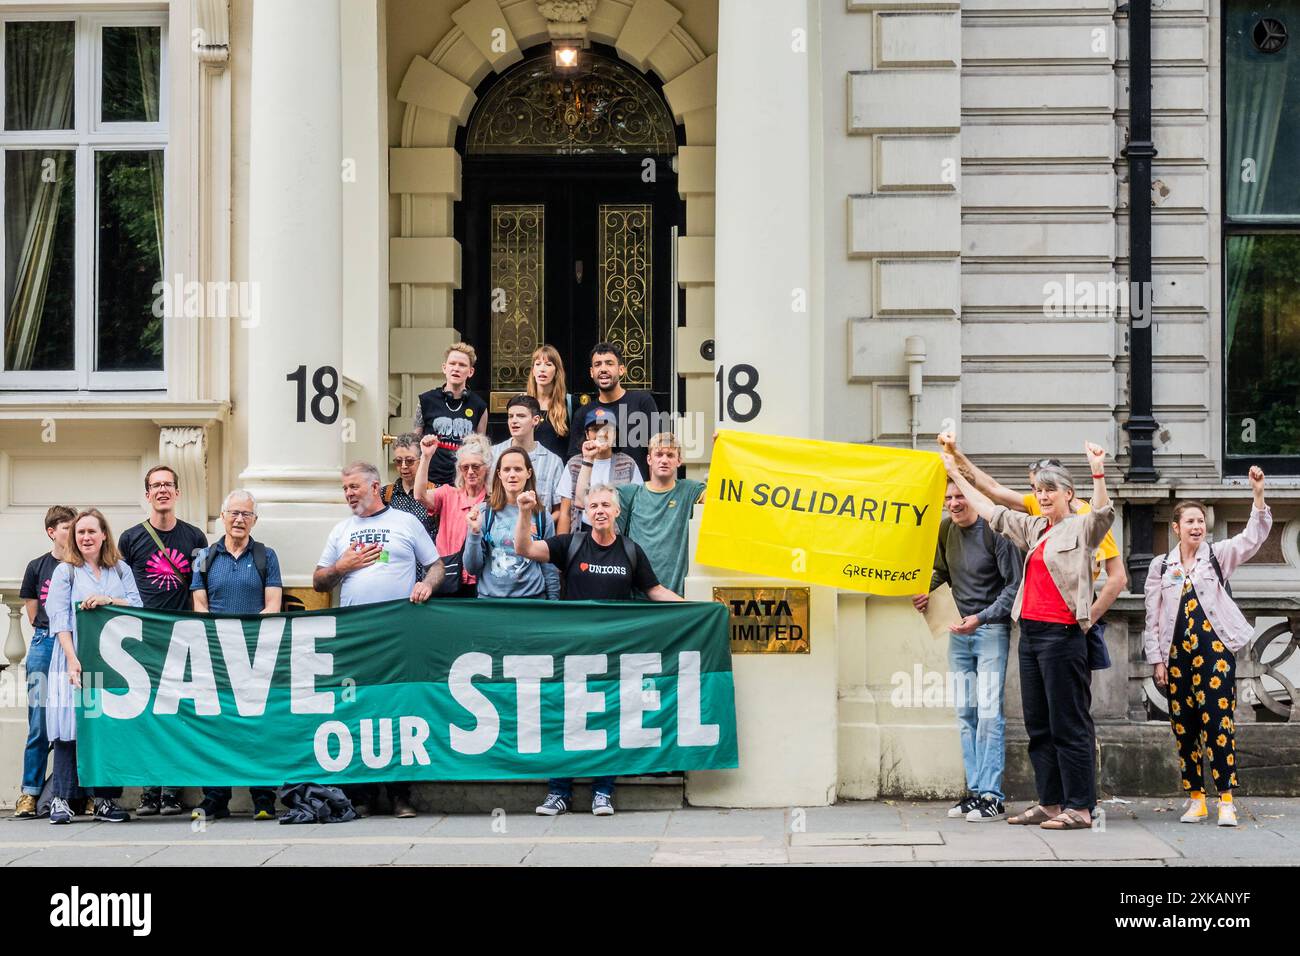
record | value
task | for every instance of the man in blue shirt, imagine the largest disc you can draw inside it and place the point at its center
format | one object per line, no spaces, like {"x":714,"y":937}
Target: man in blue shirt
{"x":237,"y":575}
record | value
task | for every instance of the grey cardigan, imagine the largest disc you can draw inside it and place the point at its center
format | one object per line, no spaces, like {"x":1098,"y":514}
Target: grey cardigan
{"x":1067,"y":554}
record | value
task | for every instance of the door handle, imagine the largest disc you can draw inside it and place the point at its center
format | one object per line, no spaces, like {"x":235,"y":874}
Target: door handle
{"x":577,"y":270}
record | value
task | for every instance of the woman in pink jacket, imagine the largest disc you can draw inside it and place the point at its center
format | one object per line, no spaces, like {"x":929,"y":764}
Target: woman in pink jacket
{"x":1193,"y":630}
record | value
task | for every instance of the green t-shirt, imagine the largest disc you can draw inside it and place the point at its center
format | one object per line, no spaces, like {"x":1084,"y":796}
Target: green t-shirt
{"x":659,"y":522}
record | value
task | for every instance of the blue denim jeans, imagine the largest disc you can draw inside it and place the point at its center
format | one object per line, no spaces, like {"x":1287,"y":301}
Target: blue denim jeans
{"x":979,"y":665}
{"x":38,"y":745}
{"x":564,"y":786}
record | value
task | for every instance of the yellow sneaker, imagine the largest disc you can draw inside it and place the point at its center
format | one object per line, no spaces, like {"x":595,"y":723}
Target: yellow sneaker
{"x":25,"y":808}
{"x":1194,"y":812}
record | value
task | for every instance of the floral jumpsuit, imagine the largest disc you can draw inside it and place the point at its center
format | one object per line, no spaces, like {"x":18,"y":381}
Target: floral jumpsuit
{"x":1202,"y":697}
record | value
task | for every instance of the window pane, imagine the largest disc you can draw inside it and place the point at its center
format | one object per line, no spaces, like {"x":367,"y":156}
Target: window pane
{"x":39,"y":70}
{"x":1262,"y":107}
{"x":131,"y":74}
{"x":1262,"y":332}
{"x":129,"y":202}
{"x":40,"y":246}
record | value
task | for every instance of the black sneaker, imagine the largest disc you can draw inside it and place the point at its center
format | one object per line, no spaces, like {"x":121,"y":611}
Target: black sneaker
{"x":210,"y":809}
{"x":553,"y":806}
{"x":109,"y":812}
{"x":964,"y":806}
{"x":987,"y":810}
{"x":264,"y":811}
{"x":150,"y":805}
{"x":170,"y":805}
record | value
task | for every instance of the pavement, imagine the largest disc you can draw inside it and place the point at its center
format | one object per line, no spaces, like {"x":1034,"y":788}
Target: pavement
{"x":1136,"y":832}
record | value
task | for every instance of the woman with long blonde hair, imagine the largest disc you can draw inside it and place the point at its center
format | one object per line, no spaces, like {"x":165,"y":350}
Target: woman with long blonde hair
{"x":546,"y":384}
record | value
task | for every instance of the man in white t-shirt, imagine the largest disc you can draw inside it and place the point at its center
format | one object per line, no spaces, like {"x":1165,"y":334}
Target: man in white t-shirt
{"x":374,"y":554}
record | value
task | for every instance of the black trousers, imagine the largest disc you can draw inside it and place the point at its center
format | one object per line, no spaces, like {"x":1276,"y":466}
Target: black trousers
{"x":368,"y":793}
{"x":1056,"y":693}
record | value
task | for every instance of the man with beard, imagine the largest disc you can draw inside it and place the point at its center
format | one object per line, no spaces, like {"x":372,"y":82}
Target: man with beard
{"x":634,"y":413}
{"x":374,"y":555}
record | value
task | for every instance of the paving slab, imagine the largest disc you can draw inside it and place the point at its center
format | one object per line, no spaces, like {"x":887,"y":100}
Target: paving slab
{"x":589,"y":854}
{"x":339,"y":855}
{"x":703,"y":822}
{"x":1229,"y":844}
{"x":207,"y":855}
{"x":857,"y":815}
{"x":988,"y":842}
{"x":1117,"y":842}
{"x":870,"y":838}
{"x":460,"y":854}
{"x":41,"y":831}
{"x":88,"y":856}
{"x":718,"y":854}
{"x":851,"y":854}
{"x":481,"y":825}
{"x":645,"y":823}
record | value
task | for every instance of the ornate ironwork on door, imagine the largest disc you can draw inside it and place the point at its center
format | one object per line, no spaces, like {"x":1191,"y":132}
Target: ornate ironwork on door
{"x":518,"y":299}
{"x":603,"y":108}
{"x":626,"y":283}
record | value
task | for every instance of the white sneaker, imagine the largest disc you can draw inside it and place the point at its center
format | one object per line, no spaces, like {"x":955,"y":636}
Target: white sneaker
{"x":1227,"y":815}
{"x":1194,"y":812}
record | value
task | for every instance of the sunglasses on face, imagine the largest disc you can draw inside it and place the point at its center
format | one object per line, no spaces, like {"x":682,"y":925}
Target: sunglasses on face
{"x":1045,"y":463}
{"x":405,"y":462}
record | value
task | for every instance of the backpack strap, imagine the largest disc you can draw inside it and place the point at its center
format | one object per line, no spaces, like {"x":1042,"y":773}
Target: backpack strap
{"x":259,"y":561}
{"x":576,"y":541}
{"x":162,"y":548}
{"x":629,"y":549}
{"x":387,"y":492}
{"x":1214,"y":563}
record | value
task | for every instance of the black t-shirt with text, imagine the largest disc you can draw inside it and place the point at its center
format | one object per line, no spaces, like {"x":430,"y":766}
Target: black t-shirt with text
{"x":639,"y":421}
{"x":163,"y":578}
{"x":452,"y":420}
{"x":601,"y":573}
{"x":36,"y":585}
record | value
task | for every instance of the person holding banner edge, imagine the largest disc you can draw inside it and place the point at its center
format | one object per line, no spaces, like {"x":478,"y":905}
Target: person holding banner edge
{"x":1054,"y":605}
{"x":237,"y":575}
{"x":372,"y":556}
{"x":597,"y":565}
{"x":983,"y":570}
{"x":92,"y":575}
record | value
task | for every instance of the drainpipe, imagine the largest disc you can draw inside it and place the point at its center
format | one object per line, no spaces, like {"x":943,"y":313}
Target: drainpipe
{"x":1141,"y":426}
{"x":914,"y":352}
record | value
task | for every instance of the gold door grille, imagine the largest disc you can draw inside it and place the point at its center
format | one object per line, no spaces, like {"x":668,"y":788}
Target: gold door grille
{"x":626,"y":267}
{"x":517,"y":296}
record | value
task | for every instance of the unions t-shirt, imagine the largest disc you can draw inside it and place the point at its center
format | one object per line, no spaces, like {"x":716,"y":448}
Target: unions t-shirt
{"x":601,"y":573}
{"x":163,"y":577}
{"x":1108,"y":548}
{"x":36,"y":585}
{"x":659,"y":521}
{"x":452,"y":420}
{"x":405,"y":542}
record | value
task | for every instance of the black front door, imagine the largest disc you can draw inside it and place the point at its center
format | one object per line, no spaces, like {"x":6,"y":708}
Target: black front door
{"x":566,"y":251}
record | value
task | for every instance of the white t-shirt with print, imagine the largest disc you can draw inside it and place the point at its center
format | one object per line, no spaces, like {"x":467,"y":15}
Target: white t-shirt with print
{"x":391,"y":577}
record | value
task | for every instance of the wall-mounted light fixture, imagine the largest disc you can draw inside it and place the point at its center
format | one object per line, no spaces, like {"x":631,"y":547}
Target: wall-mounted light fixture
{"x":566,"y":55}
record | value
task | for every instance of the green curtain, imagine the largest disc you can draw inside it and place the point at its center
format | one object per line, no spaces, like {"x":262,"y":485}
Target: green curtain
{"x":39,"y":76}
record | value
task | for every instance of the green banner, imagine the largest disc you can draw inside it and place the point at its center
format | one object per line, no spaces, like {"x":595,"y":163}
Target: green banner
{"x":448,"y":690}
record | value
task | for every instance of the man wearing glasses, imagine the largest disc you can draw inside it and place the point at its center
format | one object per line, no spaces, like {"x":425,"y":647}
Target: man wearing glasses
{"x":237,"y":575}
{"x":161,"y":551}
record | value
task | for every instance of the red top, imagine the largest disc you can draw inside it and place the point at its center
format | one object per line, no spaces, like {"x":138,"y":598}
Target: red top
{"x":1043,"y":601}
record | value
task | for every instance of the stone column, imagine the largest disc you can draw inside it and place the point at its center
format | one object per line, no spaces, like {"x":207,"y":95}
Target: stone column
{"x":763,"y":269}
{"x":785,"y":705}
{"x":295,"y":263}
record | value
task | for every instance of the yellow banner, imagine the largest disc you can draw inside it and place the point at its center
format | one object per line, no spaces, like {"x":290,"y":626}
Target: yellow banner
{"x":861,"y":517}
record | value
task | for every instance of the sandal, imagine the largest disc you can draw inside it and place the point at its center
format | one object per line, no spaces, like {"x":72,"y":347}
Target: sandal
{"x":1032,"y":817}
{"x":1067,"y":820}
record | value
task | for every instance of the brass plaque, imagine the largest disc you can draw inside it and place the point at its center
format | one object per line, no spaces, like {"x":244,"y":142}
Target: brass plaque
{"x":304,"y":599}
{"x":497,"y":401}
{"x":767,"y":620}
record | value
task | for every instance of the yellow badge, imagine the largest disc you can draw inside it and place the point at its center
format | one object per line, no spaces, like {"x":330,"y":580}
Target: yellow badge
{"x":584,"y":399}
{"x":469,"y":413}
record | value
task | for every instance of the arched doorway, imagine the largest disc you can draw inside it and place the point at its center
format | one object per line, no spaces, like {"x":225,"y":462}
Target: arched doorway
{"x":567,"y":222}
